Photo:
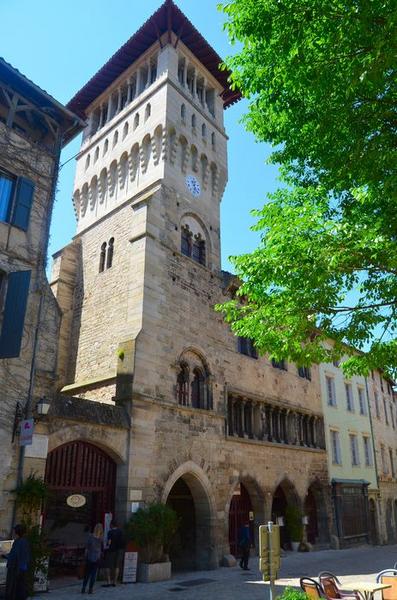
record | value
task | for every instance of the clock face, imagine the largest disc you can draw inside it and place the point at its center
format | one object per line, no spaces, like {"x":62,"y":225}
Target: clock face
{"x":193,"y":186}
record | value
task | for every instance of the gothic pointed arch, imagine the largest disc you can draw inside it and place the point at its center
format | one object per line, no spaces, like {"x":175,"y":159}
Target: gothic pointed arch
{"x":193,"y":381}
{"x":195,"y":239}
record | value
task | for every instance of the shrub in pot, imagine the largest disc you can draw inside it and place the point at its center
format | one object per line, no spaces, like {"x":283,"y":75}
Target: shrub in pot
{"x":294,"y":525}
{"x":152,"y":529}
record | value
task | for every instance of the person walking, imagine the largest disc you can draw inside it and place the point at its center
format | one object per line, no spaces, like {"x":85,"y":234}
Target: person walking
{"x":244,"y":543}
{"x":114,"y":554}
{"x":93,"y":553}
{"x":18,"y":562}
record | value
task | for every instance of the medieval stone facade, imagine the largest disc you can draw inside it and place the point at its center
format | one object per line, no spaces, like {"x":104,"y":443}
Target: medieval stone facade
{"x":215,"y":430}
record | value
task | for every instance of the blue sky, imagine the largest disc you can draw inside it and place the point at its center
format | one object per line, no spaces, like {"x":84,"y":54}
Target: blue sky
{"x":60,"y":45}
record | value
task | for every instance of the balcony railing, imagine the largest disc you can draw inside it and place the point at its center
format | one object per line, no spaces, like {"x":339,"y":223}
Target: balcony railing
{"x":257,"y":420}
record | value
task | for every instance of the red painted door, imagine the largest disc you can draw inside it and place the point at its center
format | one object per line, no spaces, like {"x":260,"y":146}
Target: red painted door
{"x":240,"y":509}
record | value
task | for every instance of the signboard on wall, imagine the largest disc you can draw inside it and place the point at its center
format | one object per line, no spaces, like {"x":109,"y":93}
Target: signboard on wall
{"x":26,"y":432}
{"x":130,"y":567}
{"x":38,"y":448}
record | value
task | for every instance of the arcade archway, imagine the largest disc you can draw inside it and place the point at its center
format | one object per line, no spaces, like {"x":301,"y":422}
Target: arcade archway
{"x":82,"y":479}
{"x":284,"y":496}
{"x":315,"y":509}
{"x":192,"y":547}
{"x":240,"y":512}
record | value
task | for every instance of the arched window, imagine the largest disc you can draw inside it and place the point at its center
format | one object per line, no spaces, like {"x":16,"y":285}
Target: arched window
{"x":198,"y":396}
{"x":136,"y":120}
{"x":213,"y":140}
{"x":115,"y":138}
{"x":183,"y":113}
{"x":105,"y":147}
{"x":109,"y":259}
{"x":102,"y":257}
{"x":96,"y":155}
{"x":204,"y":130}
{"x":198,"y":249}
{"x":186,"y":241}
{"x":87,"y":162}
{"x":182,"y":385}
{"x":194,"y":120}
{"x":125,"y":130}
{"x":148,"y":111}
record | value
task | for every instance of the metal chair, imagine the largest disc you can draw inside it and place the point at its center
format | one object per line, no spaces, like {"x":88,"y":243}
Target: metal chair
{"x":311,"y":588}
{"x":329,"y":582}
{"x":388,"y":576}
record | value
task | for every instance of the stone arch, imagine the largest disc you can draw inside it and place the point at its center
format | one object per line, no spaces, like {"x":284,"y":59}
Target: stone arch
{"x":172,"y":144}
{"x":193,"y":381}
{"x":315,"y":509}
{"x":103,"y":185}
{"x":284,"y":496}
{"x":197,"y":227}
{"x":184,"y":152}
{"x":134,"y":161}
{"x":257,"y":499}
{"x":123,"y":170}
{"x":87,"y":161}
{"x":112,"y":183}
{"x":148,"y":111}
{"x":115,"y":138}
{"x":105,"y":147}
{"x":136,"y":121}
{"x":96,"y":154}
{"x":198,"y":509}
{"x":157,"y":143}
{"x":198,"y":353}
{"x":146,"y":150}
{"x":194,"y":157}
{"x":93,"y":192}
{"x":76,"y":202}
{"x":125,"y":130}
{"x":78,"y":467}
{"x":84,"y":199}
{"x":205,"y":169}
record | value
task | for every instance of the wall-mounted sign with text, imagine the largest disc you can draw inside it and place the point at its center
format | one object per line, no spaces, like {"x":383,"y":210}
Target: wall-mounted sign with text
{"x":76,"y":500}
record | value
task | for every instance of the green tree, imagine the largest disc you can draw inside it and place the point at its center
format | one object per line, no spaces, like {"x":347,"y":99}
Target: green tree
{"x":322,"y":88}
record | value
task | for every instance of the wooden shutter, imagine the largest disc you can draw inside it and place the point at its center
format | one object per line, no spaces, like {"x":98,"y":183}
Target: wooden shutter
{"x":14,"y":314}
{"x":23,"y":203}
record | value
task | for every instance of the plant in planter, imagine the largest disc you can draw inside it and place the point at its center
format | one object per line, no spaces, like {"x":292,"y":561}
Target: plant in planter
{"x":30,"y":496}
{"x":294,"y":526}
{"x":152,"y":529}
{"x":292,"y":594}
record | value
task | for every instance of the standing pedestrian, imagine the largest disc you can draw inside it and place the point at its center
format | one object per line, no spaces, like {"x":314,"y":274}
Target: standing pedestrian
{"x":18,"y":562}
{"x":93,"y":553}
{"x":114,"y":554}
{"x":244,"y":543}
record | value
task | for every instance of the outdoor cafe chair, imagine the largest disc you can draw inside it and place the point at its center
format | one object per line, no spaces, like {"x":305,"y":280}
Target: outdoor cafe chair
{"x":329,"y":583}
{"x":311,"y":588}
{"x":388,"y":576}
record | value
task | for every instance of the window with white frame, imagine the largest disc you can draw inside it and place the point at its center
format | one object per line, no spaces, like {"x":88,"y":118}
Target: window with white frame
{"x":335,"y":447}
{"x":354,"y":450}
{"x":330,"y":385}
{"x":361,"y":401}
{"x":367,"y":451}
{"x":349,"y":397}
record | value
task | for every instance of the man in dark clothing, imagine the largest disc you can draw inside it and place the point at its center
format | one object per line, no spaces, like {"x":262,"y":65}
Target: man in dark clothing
{"x":244,"y":543}
{"x":114,"y":554}
{"x":18,"y":561}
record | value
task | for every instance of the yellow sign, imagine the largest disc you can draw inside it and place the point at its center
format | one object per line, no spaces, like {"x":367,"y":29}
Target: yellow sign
{"x":269,"y":551}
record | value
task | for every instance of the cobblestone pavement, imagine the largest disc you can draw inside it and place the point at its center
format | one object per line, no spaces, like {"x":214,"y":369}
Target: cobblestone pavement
{"x":234,"y":584}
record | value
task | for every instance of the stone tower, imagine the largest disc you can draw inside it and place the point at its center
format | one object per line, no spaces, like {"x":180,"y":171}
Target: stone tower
{"x":137,"y":287}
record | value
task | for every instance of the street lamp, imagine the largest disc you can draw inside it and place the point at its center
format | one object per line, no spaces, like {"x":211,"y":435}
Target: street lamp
{"x":43,"y":406}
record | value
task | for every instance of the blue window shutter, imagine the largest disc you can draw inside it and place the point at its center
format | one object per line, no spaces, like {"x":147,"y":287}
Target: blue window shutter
{"x":23,"y":203}
{"x":14,"y":314}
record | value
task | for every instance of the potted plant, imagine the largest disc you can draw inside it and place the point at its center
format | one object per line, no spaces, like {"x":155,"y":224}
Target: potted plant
{"x":152,"y":529}
{"x":30,"y":496}
{"x":290,"y":593}
{"x":294,"y":526}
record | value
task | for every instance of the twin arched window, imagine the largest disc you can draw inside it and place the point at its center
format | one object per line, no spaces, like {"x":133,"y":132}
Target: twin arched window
{"x":106,"y":256}
{"x":192,"y":386}
{"x":193,"y":245}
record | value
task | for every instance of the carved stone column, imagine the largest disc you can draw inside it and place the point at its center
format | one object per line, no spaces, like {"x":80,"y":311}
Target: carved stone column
{"x":251,"y":407}
{"x":119,"y":99}
{"x":270,"y":423}
{"x":242,"y":417}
